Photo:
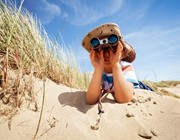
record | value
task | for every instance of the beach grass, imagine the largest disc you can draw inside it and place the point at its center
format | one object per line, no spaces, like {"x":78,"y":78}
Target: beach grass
{"x":159,"y":87}
{"x":167,"y":83}
{"x":27,"y":53}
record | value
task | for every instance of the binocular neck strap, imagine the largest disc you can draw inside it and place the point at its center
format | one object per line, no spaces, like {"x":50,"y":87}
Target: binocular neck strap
{"x":102,"y":97}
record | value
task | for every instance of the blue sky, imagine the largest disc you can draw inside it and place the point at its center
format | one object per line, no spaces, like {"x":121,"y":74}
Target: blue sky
{"x":152,"y":27}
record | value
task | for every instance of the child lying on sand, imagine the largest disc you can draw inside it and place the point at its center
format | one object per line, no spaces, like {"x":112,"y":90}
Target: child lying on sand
{"x":111,"y":58}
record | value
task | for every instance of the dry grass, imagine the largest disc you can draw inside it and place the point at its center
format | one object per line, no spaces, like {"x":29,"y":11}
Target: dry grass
{"x":167,"y":83}
{"x":158,"y":87}
{"x":27,"y":53}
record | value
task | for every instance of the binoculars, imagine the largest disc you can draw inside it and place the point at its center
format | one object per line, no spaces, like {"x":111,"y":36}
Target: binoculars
{"x":105,"y":43}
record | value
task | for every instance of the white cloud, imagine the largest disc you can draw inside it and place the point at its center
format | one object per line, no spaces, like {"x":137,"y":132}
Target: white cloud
{"x":155,"y":38}
{"x":43,"y":9}
{"x":50,"y":10}
{"x":81,"y":13}
{"x":134,"y":10}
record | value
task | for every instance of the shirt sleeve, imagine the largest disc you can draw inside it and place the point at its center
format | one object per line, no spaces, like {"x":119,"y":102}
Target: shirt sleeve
{"x":129,"y":74}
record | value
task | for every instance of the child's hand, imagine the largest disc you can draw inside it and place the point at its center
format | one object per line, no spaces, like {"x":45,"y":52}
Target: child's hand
{"x":97,"y":60}
{"x":116,"y":57}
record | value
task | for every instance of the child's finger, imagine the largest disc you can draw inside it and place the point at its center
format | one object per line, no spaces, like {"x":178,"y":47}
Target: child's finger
{"x":91,"y":54}
{"x":119,"y":47}
{"x":96,"y":55}
{"x":122,"y":44}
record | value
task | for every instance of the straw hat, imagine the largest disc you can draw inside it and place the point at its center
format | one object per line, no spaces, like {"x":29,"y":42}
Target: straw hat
{"x":106,"y":30}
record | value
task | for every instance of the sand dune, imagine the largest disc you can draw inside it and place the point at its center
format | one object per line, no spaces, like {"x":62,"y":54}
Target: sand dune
{"x":67,"y":116}
{"x":175,"y":90}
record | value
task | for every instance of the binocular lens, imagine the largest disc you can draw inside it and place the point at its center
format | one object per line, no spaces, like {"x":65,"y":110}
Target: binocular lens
{"x":113,"y":39}
{"x":95,"y":42}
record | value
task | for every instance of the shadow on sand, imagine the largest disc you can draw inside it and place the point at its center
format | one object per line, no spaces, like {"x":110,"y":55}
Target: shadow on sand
{"x":74,"y":99}
{"x":77,"y":100}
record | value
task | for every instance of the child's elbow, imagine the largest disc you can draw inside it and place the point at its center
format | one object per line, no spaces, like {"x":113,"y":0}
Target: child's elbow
{"x":124,"y":99}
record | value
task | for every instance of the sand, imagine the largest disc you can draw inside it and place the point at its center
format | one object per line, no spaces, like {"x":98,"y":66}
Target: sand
{"x":175,"y":90}
{"x":66,"y":116}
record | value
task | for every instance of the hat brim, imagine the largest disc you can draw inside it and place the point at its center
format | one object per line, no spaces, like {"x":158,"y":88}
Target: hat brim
{"x":129,"y":53}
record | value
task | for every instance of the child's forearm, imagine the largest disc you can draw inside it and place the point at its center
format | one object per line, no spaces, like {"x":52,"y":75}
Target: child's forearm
{"x":93,"y":91}
{"x":123,"y":89}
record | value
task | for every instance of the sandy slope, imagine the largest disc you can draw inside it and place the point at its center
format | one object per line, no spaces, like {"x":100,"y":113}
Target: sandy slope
{"x":66,"y":116}
{"x":175,"y":90}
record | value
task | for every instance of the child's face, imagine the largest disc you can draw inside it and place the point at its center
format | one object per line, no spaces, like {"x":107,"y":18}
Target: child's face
{"x":106,"y":56}
{"x":107,"y":60}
